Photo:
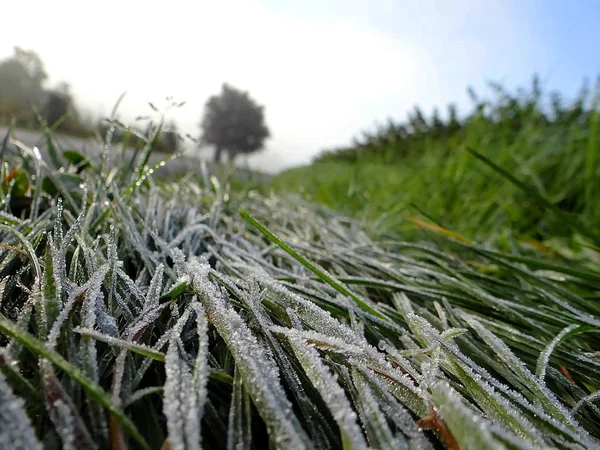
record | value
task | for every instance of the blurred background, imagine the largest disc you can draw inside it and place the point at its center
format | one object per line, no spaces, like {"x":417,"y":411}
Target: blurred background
{"x":324,"y":72}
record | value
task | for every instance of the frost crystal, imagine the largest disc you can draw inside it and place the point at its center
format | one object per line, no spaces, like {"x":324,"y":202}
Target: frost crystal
{"x":252,"y":361}
{"x":183,"y":423}
{"x":471,"y":431}
{"x":16,"y":431}
{"x":331,"y":392}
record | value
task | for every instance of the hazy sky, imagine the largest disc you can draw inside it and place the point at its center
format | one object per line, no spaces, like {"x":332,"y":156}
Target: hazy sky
{"x":325,"y":70}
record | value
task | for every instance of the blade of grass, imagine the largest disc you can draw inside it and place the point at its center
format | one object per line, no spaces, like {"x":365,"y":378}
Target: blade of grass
{"x":573,"y":222}
{"x":28,"y":247}
{"x":542,"y":362}
{"x":120,"y":343}
{"x":317,"y":271}
{"x":54,"y":158}
{"x":9,"y":329}
{"x":147,"y":151}
{"x":590,"y":159}
{"x":147,"y":172}
{"x":4,"y":143}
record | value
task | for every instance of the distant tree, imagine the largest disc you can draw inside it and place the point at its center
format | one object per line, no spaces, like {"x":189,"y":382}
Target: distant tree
{"x":170,"y":138}
{"x":234,"y":123}
{"x":21,"y":80}
{"x":58,"y":104}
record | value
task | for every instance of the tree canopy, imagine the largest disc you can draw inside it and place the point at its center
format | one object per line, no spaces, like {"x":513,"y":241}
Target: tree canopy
{"x":21,"y":83}
{"x":21,"y":78}
{"x":234,"y":123}
{"x":59,"y":102}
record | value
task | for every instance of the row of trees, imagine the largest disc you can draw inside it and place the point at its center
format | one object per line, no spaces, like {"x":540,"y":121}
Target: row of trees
{"x":233,"y":122}
{"x":504,"y":115}
{"x":24,"y":99}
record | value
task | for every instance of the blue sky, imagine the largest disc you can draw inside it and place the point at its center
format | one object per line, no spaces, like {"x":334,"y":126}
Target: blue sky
{"x":510,"y":40}
{"x":324,"y":70}
{"x":570,"y":31}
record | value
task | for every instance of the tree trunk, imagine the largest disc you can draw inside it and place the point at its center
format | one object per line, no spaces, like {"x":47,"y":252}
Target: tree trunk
{"x":218,"y":154}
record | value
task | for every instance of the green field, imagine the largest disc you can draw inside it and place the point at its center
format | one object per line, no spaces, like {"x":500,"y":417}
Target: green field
{"x":435,"y":175}
{"x":436,"y":289}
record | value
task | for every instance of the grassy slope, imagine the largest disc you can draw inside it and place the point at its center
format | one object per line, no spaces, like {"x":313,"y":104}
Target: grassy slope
{"x":439,"y":180}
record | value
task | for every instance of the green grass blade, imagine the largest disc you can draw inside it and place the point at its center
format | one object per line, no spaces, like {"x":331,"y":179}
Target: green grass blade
{"x":113,"y":112}
{"x":147,"y":151}
{"x":469,"y":431}
{"x":313,"y":268}
{"x":590,"y":175}
{"x":571,"y":221}
{"x":571,"y":330}
{"x":146,"y":172}
{"x":120,"y":343}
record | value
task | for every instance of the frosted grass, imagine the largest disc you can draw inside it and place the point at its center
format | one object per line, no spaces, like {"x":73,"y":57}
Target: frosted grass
{"x":171,"y":320}
{"x":16,"y":430}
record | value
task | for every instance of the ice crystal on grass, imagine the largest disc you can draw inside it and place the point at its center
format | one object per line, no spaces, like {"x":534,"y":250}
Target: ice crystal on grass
{"x":137,"y":298}
{"x":252,"y":361}
{"x":372,"y":417}
{"x":16,"y":431}
{"x":182,"y":416}
{"x":542,"y":362}
{"x":64,"y":423}
{"x":178,"y":261}
{"x":239,"y":435}
{"x":508,"y":409}
{"x":201,"y":367}
{"x":320,"y":340}
{"x":544,"y":395}
{"x":310,"y":411}
{"x":185,"y":390}
{"x":286,"y":319}
{"x":594,"y":397}
{"x":154,"y":290}
{"x":75,"y":295}
{"x":318,"y":318}
{"x":67,"y":422}
{"x":402,"y":418}
{"x":470,"y":430}
{"x":331,"y":392}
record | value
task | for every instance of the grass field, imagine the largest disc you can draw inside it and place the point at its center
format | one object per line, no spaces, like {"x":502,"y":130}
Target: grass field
{"x":436,"y":175}
{"x":142,"y":313}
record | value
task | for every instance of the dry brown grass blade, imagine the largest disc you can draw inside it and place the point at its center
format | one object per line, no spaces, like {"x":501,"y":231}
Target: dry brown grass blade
{"x":441,"y":230}
{"x":13,"y":248}
{"x":434,"y":422}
